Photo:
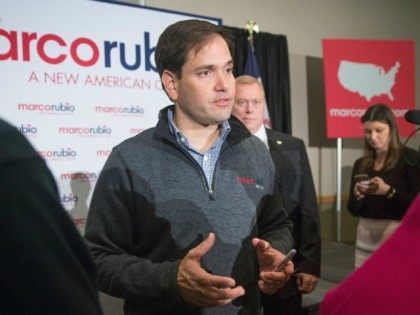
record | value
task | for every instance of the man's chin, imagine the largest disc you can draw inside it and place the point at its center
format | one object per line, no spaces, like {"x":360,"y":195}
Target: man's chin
{"x":214,"y":121}
{"x":222,"y":116}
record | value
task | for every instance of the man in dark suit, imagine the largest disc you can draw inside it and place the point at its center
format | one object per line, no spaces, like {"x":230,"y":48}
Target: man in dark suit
{"x":295,"y":178}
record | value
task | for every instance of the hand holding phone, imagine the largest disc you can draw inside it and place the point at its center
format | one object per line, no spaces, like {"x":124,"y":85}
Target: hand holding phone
{"x":285,"y":260}
{"x":365,"y":185}
{"x":362,"y":185}
{"x":362,"y":179}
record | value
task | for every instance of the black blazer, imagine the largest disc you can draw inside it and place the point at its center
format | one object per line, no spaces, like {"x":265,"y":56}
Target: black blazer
{"x":297,"y":186}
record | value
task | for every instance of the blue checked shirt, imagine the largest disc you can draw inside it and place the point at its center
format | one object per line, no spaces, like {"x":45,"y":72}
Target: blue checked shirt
{"x":208,"y":160}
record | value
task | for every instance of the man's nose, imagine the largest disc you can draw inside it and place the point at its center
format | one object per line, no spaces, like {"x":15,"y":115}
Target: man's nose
{"x":222,"y":81}
{"x":249,"y":107}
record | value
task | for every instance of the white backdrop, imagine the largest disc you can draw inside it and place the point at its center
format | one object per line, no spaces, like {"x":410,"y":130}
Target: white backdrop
{"x":78,"y":77}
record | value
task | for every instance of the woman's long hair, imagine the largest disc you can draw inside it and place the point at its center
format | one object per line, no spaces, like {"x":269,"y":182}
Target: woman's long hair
{"x":383,"y":114}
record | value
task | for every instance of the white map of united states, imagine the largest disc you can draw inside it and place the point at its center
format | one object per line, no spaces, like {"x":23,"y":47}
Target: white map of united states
{"x":367,"y":79}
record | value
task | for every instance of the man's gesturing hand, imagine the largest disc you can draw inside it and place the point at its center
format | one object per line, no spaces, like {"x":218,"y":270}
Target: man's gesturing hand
{"x":200,"y":288}
{"x":268,"y":258}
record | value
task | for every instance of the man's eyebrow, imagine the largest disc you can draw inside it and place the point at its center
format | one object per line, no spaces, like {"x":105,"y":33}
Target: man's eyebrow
{"x":203,"y":67}
{"x":212,"y":66}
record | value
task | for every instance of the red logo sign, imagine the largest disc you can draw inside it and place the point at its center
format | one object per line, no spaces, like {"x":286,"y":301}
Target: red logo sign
{"x":360,"y":73}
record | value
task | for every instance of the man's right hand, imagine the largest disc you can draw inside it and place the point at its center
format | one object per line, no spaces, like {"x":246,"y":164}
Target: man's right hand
{"x":200,"y":288}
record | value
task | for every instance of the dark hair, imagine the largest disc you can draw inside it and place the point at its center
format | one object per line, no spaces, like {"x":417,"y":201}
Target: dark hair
{"x":383,"y":114}
{"x":178,"y":39}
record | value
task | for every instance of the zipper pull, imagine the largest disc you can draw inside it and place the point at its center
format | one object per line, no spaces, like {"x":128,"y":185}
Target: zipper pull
{"x":211,"y":194}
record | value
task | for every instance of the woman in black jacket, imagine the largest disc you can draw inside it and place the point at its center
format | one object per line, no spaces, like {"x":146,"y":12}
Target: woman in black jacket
{"x":384,"y":181}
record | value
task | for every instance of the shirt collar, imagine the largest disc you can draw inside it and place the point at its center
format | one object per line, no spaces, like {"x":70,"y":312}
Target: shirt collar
{"x":178,"y":134}
{"x":262,"y":135}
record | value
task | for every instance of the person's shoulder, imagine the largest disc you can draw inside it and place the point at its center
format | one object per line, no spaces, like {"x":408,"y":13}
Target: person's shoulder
{"x":254,"y":144}
{"x":136,"y":148}
{"x":411,"y":152}
{"x":13,"y":144}
{"x":358,"y":162}
{"x":282,"y":135}
{"x":6,"y":128}
{"x":140,"y":139}
{"x":410,"y":156}
{"x":286,"y":139}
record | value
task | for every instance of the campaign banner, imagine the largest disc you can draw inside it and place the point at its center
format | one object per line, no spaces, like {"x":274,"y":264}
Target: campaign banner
{"x":78,"y":77}
{"x":360,"y":73}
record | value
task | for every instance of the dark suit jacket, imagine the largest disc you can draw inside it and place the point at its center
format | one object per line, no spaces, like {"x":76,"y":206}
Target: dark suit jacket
{"x":295,"y":178}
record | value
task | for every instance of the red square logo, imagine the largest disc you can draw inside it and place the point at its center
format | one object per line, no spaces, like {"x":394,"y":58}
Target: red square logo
{"x":360,"y":73}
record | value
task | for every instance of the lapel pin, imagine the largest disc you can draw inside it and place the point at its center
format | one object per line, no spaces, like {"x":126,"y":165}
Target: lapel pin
{"x":278,"y":142}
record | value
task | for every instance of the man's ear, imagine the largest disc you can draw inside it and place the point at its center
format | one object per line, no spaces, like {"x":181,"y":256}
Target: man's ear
{"x":169,"y":81}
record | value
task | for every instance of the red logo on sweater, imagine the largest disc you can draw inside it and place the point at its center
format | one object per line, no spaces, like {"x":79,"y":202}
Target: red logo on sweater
{"x":245,"y":180}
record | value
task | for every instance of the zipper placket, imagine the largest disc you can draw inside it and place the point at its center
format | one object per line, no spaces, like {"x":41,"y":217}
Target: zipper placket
{"x":203,"y":176}
{"x":211,"y":188}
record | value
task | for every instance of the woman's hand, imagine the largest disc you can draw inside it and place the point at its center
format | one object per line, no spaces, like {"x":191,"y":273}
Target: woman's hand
{"x":382,"y":187}
{"x":360,"y":189}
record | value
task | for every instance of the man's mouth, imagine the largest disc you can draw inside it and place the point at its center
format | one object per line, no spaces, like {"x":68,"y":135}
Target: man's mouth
{"x":222,"y":102}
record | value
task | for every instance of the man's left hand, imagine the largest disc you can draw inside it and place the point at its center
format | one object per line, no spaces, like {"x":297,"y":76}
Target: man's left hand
{"x":306,"y":282}
{"x":268,"y":258}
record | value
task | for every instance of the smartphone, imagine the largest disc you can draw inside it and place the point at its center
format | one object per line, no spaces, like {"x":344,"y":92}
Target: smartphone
{"x":361,"y":177}
{"x":285,"y":260}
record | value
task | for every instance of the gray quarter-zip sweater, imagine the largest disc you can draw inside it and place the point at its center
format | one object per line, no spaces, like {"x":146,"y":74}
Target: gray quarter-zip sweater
{"x":152,"y":204}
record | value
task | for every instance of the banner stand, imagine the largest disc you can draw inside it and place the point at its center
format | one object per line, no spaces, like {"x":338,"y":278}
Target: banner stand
{"x":338,"y":206}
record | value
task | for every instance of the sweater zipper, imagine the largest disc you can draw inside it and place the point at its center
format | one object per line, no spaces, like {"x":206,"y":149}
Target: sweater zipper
{"x":211,"y":195}
{"x":208,"y":186}
{"x":211,"y":191}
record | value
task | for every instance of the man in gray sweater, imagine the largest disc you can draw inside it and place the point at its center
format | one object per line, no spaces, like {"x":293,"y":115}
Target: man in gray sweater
{"x":182,"y":220}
